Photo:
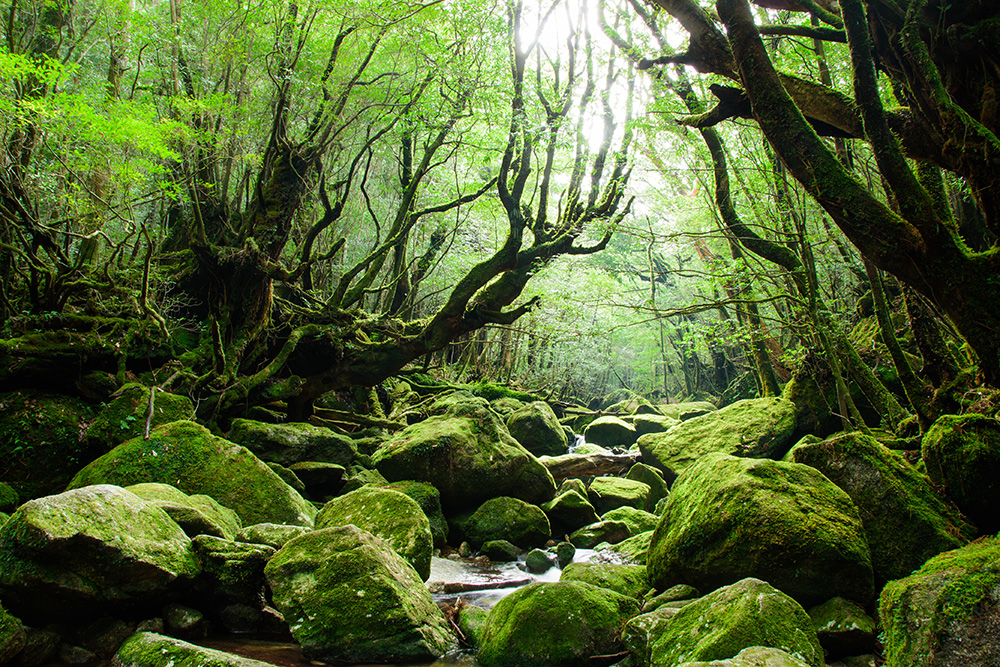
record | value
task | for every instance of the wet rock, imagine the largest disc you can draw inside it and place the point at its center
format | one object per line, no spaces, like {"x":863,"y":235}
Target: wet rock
{"x":672,"y":594}
{"x":590,"y":536}
{"x":500,"y":551}
{"x":632,"y":550}
{"x":12,"y":636}
{"x":321,"y":479}
{"x":184,"y":622}
{"x":429,"y":500}
{"x":504,"y":518}
{"x":651,"y":477}
{"x":569,"y":511}
{"x":539,"y":561}
{"x":233,"y":573}
{"x":755,"y":656}
{"x":728,"y":518}
{"x":638,"y":521}
{"x":565,"y":552}
{"x":559,"y":624}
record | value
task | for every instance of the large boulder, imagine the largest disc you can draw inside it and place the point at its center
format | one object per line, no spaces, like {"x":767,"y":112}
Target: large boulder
{"x":390,"y":515}
{"x":429,"y":500}
{"x":554,"y":625}
{"x":569,"y":511}
{"x":196,"y":515}
{"x":348,"y":597}
{"x":126,"y":415}
{"x":630,"y":580}
{"x":609,"y":431}
{"x":638,"y":521}
{"x":947,"y":614}
{"x":758,"y":427}
{"x":287,"y":444}
{"x":906,"y":522}
{"x":42,"y":442}
{"x":186,"y":455}
{"x":651,"y":477}
{"x":520,"y":523}
{"x":728,"y":518}
{"x":962,"y":454}
{"x":537,"y":428}
{"x":724,"y":623}
{"x":148,"y":649}
{"x":92,"y":548}
{"x":466,"y":453}
{"x":608,"y":493}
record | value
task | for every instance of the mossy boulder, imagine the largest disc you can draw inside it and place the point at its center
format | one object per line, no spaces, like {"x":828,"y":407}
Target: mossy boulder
{"x":537,"y":428}
{"x":293,"y":443}
{"x":467,"y":454}
{"x":754,"y":656}
{"x":42,"y":441}
{"x":686,"y":409}
{"x":500,"y":551}
{"x":125,"y":416}
{"x":9,"y":500}
{"x":187,"y":456}
{"x":471,"y":622}
{"x":148,"y":649}
{"x":651,"y":477}
{"x":633,"y":549}
{"x":274,"y":535}
{"x":758,"y":427}
{"x":608,"y":493}
{"x":905,"y":521}
{"x":946,"y":614}
{"x":747,"y":613}
{"x":728,"y":518}
{"x":429,"y":500}
{"x":843,"y":628}
{"x":569,"y":511}
{"x":609,"y":431}
{"x":505,"y":518}
{"x":630,"y":580}
{"x":347,"y":596}
{"x":196,"y":515}
{"x":554,"y":625}
{"x":12,"y":636}
{"x":390,"y":515}
{"x":232,"y":578}
{"x":652,"y":423}
{"x":962,"y":454}
{"x":590,"y":536}
{"x":89,"y":549}
{"x":638,"y":521}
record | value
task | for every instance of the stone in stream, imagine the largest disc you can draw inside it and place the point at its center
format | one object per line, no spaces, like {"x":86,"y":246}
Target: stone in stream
{"x":962,"y":454}
{"x":429,"y":500}
{"x":347,"y":596}
{"x":651,"y":477}
{"x":760,"y":427}
{"x":12,"y":636}
{"x":629,"y":580}
{"x":147,"y":649}
{"x":728,"y":518}
{"x":638,"y":521}
{"x":504,"y":518}
{"x":608,"y":493}
{"x":388,"y":514}
{"x":537,"y":428}
{"x":947,"y":613}
{"x":632,"y":550}
{"x":186,"y":455}
{"x":590,"y":536}
{"x":569,"y":511}
{"x":91,"y":549}
{"x":720,"y":625}
{"x":559,"y":624}
{"x":755,"y":656}
{"x":610,"y":432}
{"x":906,"y":522}
{"x":465,"y":451}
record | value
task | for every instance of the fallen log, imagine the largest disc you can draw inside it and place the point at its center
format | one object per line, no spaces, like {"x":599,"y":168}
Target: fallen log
{"x":588,"y":465}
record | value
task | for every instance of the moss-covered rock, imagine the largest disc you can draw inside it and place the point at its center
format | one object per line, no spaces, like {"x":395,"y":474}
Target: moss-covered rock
{"x":651,"y":477}
{"x":630,"y":580}
{"x":9,"y":500}
{"x":293,"y":443}
{"x":608,"y":493}
{"x":42,"y":441}
{"x":12,"y":636}
{"x":148,"y":649}
{"x":232,"y":576}
{"x":945,"y":614}
{"x":536,"y":427}
{"x":686,"y":409}
{"x":90,"y":548}
{"x":467,"y":454}
{"x":554,"y":625}
{"x":843,"y":628}
{"x":390,"y":515}
{"x":754,"y":656}
{"x":187,"y":456}
{"x":638,"y":521}
{"x":125,"y":416}
{"x":196,"y":515}
{"x":610,"y":431}
{"x":274,"y":535}
{"x":505,"y":406}
{"x":569,"y":511}
{"x":652,"y":423}
{"x":759,"y":427}
{"x":573,"y":484}
{"x":320,"y":479}
{"x":720,"y":625}
{"x":347,"y":596}
{"x":590,"y":536}
{"x":429,"y":500}
{"x":728,"y":518}
{"x":358,"y":476}
{"x":633,"y":549}
{"x":471,"y":622}
{"x":905,"y":520}
{"x":962,"y":454}
{"x":504,"y":518}
{"x":500,"y":551}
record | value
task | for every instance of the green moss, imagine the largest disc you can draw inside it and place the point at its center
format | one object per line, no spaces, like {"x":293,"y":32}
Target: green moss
{"x":146,"y":649}
{"x":728,"y":518}
{"x":9,"y":500}
{"x":569,"y":511}
{"x":196,"y":515}
{"x":633,"y":549}
{"x":429,"y":500}
{"x":511,"y":519}
{"x":492,"y":392}
{"x":472,"y":622}
{"x":125,"y":417}
{"x":721,"y":624}
{"x":535,"y":426}
{"x":945,"y":612}
{"x":271,"y":534}
{"x":388,"y":514}
{"x":187,"y":456}
{"x":630,"y":580}
{"x":610,"y":431}
{"x":556,"y":624}
{"x":608,"y":493}
{"x":590,"y":536}
{"x":638,"y":521}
